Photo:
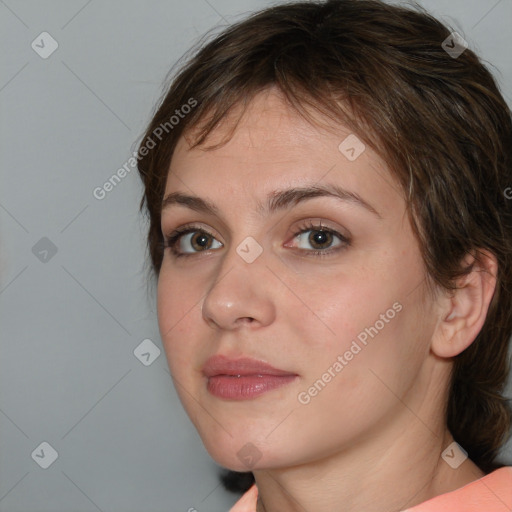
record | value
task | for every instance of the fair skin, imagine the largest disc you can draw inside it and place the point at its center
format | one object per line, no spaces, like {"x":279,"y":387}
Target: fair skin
{"x":372,"y":438}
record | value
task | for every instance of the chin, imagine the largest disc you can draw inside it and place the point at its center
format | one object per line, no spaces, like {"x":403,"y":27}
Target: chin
{"x":242,"y":455}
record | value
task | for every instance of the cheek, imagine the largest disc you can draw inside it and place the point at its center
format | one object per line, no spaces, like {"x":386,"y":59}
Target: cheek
{"x":178,"y":307}
{"x":336,"y":314}
{"x":177,"y":294}
{"x":352,"y":379}
{"x":368,"y":317}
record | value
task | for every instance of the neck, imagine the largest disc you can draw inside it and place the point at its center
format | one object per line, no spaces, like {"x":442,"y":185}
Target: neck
{"x":392,"y":469}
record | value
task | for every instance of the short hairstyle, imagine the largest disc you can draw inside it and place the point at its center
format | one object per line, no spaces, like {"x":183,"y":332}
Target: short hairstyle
{"x":438,"y":121}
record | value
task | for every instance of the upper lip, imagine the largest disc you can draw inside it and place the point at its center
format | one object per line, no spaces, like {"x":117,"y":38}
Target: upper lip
{"x":222,"y":365}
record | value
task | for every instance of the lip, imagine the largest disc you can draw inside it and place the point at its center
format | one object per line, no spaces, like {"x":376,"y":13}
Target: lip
{"x":243,"y":378}
{"x":222,"y":365}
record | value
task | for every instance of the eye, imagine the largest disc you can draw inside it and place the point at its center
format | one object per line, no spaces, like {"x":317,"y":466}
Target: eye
{"x":321,"y":239}
{"x":189,"y":240}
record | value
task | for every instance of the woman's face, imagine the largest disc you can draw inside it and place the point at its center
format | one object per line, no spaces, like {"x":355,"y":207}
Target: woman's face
{"x":342,"y":313}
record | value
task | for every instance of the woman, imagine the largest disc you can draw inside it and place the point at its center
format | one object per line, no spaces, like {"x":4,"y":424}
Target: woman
{"x":325,"y":184}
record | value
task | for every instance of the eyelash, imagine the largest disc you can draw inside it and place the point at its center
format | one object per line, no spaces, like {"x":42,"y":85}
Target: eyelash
{"x":172,"y":239}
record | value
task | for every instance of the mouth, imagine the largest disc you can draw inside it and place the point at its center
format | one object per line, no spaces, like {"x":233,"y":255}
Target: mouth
{"x":244,"y":378}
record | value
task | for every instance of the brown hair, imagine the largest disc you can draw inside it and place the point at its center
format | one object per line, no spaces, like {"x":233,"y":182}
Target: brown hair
{"x":438,"y":121}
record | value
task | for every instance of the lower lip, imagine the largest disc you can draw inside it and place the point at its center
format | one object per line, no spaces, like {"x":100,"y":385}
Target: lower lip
{"x":245,"y":387}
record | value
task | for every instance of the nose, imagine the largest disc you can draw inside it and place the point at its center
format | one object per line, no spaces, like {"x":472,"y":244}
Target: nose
{"x":241,"y":294}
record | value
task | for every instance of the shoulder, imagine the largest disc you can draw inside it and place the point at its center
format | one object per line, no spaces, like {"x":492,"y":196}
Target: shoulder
{"x":491,"y":493}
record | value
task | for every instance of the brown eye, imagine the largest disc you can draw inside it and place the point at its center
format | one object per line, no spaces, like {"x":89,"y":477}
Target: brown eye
{"x":190,"y":241}
{"x":320,"y":238}
{"x":200,"y":241}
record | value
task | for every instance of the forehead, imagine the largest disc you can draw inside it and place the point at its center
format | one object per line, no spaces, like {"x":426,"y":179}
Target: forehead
{"x":268,"y":122}
{"x":273,"y":147}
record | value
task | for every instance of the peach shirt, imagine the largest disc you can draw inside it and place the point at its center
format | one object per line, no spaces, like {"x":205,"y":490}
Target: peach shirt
{"x":491,"y":493}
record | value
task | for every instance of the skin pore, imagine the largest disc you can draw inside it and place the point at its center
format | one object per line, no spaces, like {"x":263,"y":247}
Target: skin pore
{"x":372,"y":438}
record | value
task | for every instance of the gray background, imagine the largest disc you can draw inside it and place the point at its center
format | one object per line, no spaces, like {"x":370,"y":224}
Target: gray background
{"x":70,"y":321}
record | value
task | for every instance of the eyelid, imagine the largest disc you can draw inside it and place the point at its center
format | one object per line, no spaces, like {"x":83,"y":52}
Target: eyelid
{"x":190,"y":226}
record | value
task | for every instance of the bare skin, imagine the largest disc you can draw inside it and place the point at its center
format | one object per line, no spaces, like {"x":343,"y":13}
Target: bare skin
{"x":371,"y":439}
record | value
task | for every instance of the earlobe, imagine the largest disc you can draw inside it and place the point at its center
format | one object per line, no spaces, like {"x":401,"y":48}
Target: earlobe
{"x":464,"y":310}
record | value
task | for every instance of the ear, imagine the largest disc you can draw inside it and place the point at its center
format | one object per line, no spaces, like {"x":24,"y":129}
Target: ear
{"x":463,"y":311}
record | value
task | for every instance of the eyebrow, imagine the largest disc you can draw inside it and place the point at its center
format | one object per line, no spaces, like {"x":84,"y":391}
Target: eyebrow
{"x":276,"y":200}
